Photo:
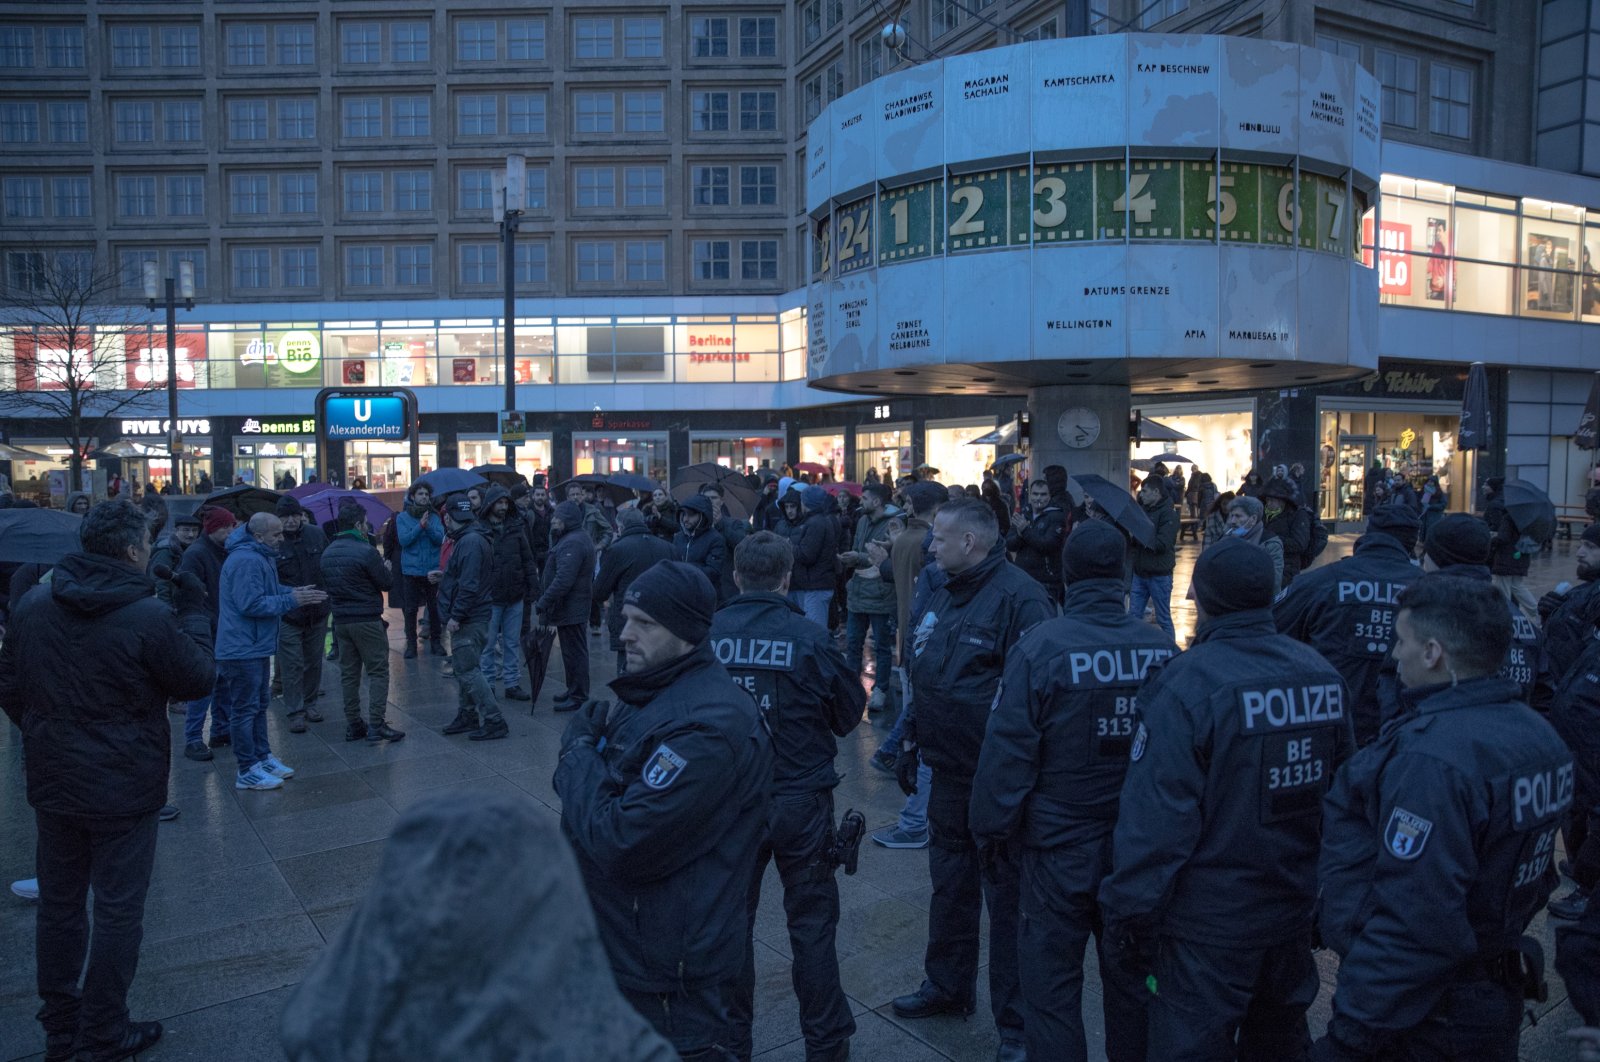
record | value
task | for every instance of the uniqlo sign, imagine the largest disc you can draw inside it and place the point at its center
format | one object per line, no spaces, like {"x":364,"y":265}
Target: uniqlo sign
{"x":1394,"y":256}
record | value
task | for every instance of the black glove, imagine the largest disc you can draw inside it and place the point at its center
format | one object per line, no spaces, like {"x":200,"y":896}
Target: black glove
{"x":993,"y":853}
{"x":587,"y":725}
{"x":188,"y":592}
{"x":906,"y":762}
{"x":1549,"y":603}
{"x":1131,"y":945}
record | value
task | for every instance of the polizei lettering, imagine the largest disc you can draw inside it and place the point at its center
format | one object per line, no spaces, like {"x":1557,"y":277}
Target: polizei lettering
{"x":776,"y":654}
{"x":1291,"y":706}
{"x":1370,"y":592}
{"x":1537,"y":797}
{"x":1105,"y":667}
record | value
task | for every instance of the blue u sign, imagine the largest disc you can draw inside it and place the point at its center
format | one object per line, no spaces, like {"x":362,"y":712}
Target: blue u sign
{"x":366,"y":417}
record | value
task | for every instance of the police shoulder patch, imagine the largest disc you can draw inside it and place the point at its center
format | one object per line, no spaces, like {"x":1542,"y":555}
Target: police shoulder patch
{"x":1141,"y":738}
{"x":1406,"y":834}
{"x":663,"y":767}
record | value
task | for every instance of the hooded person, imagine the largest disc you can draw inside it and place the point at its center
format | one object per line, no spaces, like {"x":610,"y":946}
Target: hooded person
{"x":513,"y":578}
{"x":78,"y":502}
{"x":634,"y":552}
{"x":565,"y":595}
{"x":697,"y":541}
{"x":420,"y":533}
{"x":465,"y":603}
{"x":475,"y":943}
{"x":813,"y":533}
{"x":1286,"y":520}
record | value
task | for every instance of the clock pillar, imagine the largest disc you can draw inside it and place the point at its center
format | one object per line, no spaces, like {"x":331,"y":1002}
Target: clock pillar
{"x":1105,"y":454}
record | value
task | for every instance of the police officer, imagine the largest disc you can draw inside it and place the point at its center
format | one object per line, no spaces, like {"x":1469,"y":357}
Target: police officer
{"x":1569,"y":617}
{"x":1215,"y":853}
{"x":1575,"y":713}
{"x":810,"y":698}
{"x":959,"y":647}
{"x":1440,"y":844}
{"x":1345,"y":610}
{"x":664,"y":799}
{"x":1048,"y":781}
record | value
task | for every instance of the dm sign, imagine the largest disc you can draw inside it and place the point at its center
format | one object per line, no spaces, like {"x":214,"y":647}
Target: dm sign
{"x":366,"y":417}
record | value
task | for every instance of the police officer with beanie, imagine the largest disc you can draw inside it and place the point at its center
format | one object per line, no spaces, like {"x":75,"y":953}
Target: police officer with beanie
{"x":958,"y":650}
{"x":664,"y":798}
{"x":1048,"y":781}
{"x":1439,"y":845}
{"x":1345,"y":610}
{"x":1215,"y":856}
{"x":810,"y":698}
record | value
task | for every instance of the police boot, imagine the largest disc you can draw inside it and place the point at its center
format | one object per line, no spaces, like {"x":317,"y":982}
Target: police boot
{"x":490,"y":731}
{"x":927,"y":1001}
{"x":463,"y":722}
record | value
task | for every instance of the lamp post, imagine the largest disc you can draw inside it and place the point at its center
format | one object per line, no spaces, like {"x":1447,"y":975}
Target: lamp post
{"x":181,"y":287}
{"x":511,"y":184}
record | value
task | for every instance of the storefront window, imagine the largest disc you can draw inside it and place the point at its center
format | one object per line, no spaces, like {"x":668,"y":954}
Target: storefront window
{"x":1415,"y":443}
{"x":467,"y":351}
{"x":373,"y":464}
{"x":1222,"y":442}
{"x":536,"y":352}
{"x":1550,"y":251}
{"x":950,"y":449}
{"x":643,"y":453}
{"x":744,"y":453}
{"x":409,"y":358}
{"x":31,"y":479}
{"x":147,"y":359}
{"x":260,"y":461}
{"x":533,"y":456}
{"x":825,"y":448}
{"x":353,"y":357}
{"x":886,"y":449}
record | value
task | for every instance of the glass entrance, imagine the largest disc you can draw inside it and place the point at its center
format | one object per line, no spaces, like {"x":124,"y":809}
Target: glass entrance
{"x":644,"y":454}
{"x":1348,"y":477}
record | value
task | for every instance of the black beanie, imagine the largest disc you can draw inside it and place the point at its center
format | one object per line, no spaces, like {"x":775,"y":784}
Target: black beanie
{"x":289,"y":506}
{"x":1458,"y":539}
{"x":926,"y":496}
{"x":1095,"y":550}
{"x":1233,"y":576}
{"x":1591,"y":534}
{"x":1398,"y":522}
{"x":676,"y":595}
{"x":1055,"y":477}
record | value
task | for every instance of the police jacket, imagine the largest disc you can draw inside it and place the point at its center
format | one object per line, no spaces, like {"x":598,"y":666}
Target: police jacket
{"x":635,"y":551}
{"x":1345,"y":611}
{"x":868,"y":592}
{"x":799,"y":681}
{"x":666,"y":820}
{"x":205,"y":559}
{"x":1575,"y":714}
{"x":1037,"y":546}
{"x":1571,"y":628}
{"x":513,"y":574}
{"x":1438,"y":848}
{"x":704,"y":549}
{"x":1217,"y":836}
{"x":1056,"y":750}
{"x":300,"y":564}
{"x":815,"y":548}
{"x":567,"y":582}
{"x":959,"y":648}
{"x":464,"y":592}
{"x":355,"y":578}
{"x":89,"y":662}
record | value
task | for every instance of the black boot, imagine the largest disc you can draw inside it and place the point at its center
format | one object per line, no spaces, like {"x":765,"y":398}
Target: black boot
{"x":355,"y":731}
{"x":463,"y":722}
{"x":137,"y":1037}
{"x":436,"y":648}
{"x":490,"y":731}
{"x":411,"y":650}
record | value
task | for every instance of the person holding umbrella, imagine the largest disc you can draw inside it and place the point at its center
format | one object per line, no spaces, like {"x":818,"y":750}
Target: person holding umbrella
{"x":1509,"y":558}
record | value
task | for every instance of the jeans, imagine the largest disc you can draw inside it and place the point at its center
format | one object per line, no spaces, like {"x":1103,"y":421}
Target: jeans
{"x":363,"y":645}
{"x":466,"y":649}
{"x":914,"y":814}
{"x":505,"y":629}
{"x":113,"y":856}
{"x":814,"y":603}
{"x":300,"y":652}
{"x":194,"y":719}
{"x":882,"y":625}
{"x":243,"y":690}
{"x":1154,"y":590}
{"x":420,"y":592}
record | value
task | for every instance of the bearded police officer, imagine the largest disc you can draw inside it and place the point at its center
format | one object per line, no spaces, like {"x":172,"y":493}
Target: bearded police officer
{"x":664,"y":798}
{"x":1570,"y":615}
{"x":1048,"y":780}
{"x":1215,"y":856}
{"x":810,"y":699}
{"x":1345,"y":610}
{"x":1440,"y":845}
{"x":959,"y":647}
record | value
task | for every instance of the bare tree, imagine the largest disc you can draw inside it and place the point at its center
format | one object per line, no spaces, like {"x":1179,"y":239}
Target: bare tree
{"x":72,"y":331}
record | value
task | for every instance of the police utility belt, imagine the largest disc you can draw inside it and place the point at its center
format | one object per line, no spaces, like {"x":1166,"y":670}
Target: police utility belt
{"x":1520,"y":969}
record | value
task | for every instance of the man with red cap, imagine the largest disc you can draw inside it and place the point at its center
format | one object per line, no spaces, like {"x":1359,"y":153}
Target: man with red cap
{"x":205,"y":559}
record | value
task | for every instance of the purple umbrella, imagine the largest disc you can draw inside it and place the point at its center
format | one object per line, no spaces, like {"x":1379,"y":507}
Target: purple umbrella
{"x":324,"y":505}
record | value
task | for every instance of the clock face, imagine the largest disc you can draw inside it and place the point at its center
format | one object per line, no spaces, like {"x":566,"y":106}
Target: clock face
{"x":1078,"y":427}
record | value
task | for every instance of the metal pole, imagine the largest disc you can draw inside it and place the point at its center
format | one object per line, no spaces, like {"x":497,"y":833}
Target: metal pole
{"x":508,"y":229}
{"x":172,"y":382}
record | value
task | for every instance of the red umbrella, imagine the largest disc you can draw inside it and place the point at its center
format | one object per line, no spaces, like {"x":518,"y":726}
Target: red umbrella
{"x":835,"y":488}
{"x":813,"y":468}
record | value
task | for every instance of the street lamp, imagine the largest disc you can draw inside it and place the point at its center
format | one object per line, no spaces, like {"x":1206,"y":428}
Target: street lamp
{"x":181,"y":287}
{"x":509,"y":187}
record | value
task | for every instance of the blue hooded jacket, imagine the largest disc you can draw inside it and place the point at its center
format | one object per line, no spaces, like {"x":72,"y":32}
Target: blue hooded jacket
{"x":252,"y":600}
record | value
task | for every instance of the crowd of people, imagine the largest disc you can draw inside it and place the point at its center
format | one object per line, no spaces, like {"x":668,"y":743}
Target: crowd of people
{"x":1384,"y":755}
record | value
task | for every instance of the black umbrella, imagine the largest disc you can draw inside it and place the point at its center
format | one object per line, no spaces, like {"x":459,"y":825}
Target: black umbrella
{"x":1587,"y":437}
{"x":1476,"y":431}
{"x":37,"y":536}
{"x":633,"y":481}
{"x":1529,"y":509}
{"x":444,"y":481}
{"x":504,"y":475}
{"x":244,"y":502}
{"x":600,"y":485}
{"x":737,"y":502}
{"x":707,"y":472}
{"x":1120,"y":506}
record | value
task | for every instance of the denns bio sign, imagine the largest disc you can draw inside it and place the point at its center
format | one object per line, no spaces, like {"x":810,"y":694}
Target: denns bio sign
{"x":366,"y":417}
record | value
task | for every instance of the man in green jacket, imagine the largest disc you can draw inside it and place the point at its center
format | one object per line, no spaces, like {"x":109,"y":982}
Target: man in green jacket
{"x":1152,"y":565}
{"x":870,"y":597}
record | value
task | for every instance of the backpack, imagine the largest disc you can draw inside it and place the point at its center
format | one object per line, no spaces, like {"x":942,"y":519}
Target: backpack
{"x":1318,"y":543}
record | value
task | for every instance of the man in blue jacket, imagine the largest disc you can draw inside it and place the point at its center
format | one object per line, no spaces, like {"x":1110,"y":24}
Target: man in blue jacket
{"x":421,"y":533}
{"x":251,"y":601}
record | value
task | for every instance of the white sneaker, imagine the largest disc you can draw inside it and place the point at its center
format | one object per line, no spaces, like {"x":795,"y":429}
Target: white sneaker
{"x":27,"y":888}
{"x":273,"y":765}
{"x":258,"y":777}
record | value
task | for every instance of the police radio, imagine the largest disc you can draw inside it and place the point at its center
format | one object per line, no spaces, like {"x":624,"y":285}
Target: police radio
{"x":847,"y":841}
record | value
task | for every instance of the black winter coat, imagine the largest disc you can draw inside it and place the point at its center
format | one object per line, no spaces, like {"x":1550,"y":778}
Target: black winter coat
{"x":1292,"y":527}
{"x":300,"y":564}
{"x":816,"y":550}
{"x":1037,"y":546}
{"x":1570,"y":628}
{"x":733,"y":531}
{"x":89,"y":663}
{"x":706,"y":550}
{"x":567,"y":583}
{"x":355,"y":578}
{"x":635,"y":551}
{"x":205,"y":559}
{"x":1162,"y":558}
{"x":464,"y":590}
{"x":537,"y":521}
{"x":1504,"y":558}
{"x":514,"y":575}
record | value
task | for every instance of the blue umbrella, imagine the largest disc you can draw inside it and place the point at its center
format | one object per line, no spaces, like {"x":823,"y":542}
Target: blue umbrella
{"x":444,"y":481}
{"x":37,"y":536}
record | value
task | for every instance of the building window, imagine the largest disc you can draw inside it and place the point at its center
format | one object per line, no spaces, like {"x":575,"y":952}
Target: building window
{"x":363,"y":192}
{"x":24,"y":197}
{"x":811,"y":98}
{"x":534,"y":190}
{"x":1339,"y":46}
{"x":1449,"y":100}
{"x":25,"y":270}
{"x":186,"y":197}
{"x":478,"y":115}
{"x":1152,"y":13}
{"x":252,"y":267}
{"x":63,"y":47}
{"x":810,"y":21}
{"x":413,"y":265}
{"x":592,"y":38}
{"x":641,"y":38}
{"x":359,"y":42}
{"x":16,"y":47}
{"x":301,"y":267}
{"x":758,"y":111}
{"x":296,"y":44}
{"x":597,"y":262}
{"x":363,"y":266}
{"x":474,"y":190}
{"x":758,"y":259}
{"x":758,"y":37}
{"x":480,"y":263}
{"x":136,"y":197}
{"x":643,"y":112}
{"x":945,"y":15}
{"x":708,"y":38}
{"x":595,"y":112}
{"x":413,"y":190}
{"x":645,"y":260}
{"x":525,"y":40}
{"x":69,"y":122}
{"x":248,"y":193}
{"x":247,"y":45}
{"x":531,"y":262}
{"x":130,"y":47}
{"x":835,"y":11}
{"x":70,"y":197}
{"x":1398,"y":75}
{"x":709,"y":112}
{"x":476,"y":41}
{"x":413,"y":116}
{"x":597,"y":186}
{"x":135,"y":121}
{"x":131,"y":264}
{"x":19,"y":123}
{"x":869,"y":59}
{"x":644,"y":186}
{"x":1044,"y":31}
{"x":297,"y":193}
{"x":363,"y":117}
{"x":711,"y":260}
{"x":180,"y":121}
{"x":247,"y":120}
{"x":180,"y":46}
{"x":833,"y":80}
{"x":710,"y":186}
{"x":410,"y":42}
{"x":525,"y":114}
{"x":758,"y":186}
{"x":297,"y":119}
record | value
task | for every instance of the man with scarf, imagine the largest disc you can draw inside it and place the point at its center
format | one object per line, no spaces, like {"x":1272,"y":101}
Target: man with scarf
{"x":356,"y":580}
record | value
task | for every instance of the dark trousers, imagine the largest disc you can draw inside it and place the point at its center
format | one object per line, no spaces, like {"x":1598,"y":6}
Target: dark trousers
{"x":1059,"y":911}
{"x":420,"y":592}
{"x":694,"y":1021}
{"x":1217,"y":1004}
{"x":1476,"y":1021}
{"x":800,"y":837}
{"x":960,"y":884}
{"x":466,"y":650}
{"x":363,"y":646}
{"x":300,"y":652}
{"x":574,"y":662}
{"x":114,"y":857}
{"x":855,"y":644}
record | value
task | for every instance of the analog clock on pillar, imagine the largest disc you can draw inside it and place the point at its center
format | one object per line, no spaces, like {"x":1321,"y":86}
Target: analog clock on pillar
{"x":1078,"y":427}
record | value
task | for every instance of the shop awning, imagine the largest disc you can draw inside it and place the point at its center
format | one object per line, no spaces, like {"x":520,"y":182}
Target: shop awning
{"x":1155,"y":431}
{"x":17,"y":453}
{"x":129,"y":448}
{"x":1002,"y":436}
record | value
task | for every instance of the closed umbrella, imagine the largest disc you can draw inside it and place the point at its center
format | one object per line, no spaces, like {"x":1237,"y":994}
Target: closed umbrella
{"x":37,"y":536}
{"x":444,"y":481}
{"x":1120,"y":506}
{"x":1476,"y":431}
{"x":1587,"y":435}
